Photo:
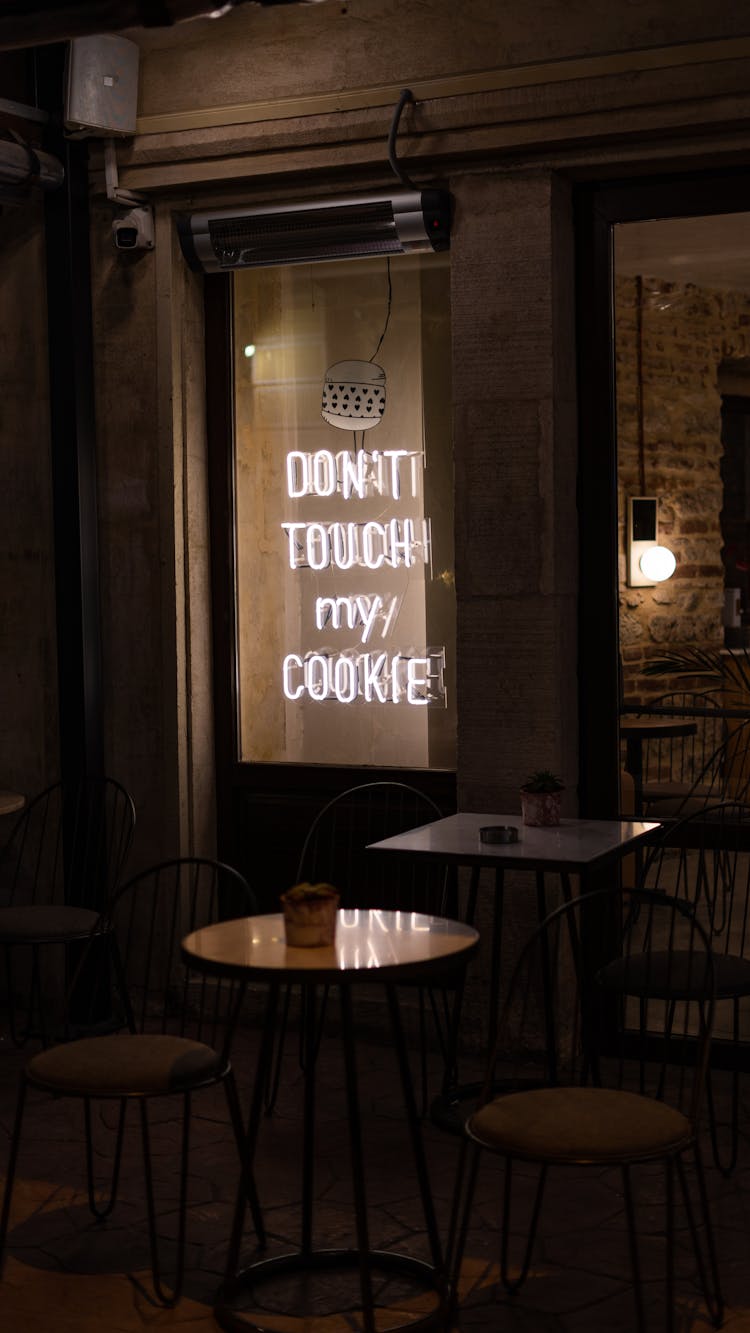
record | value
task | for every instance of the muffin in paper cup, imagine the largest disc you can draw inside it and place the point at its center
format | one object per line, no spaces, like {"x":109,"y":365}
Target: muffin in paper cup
{"x":310,"y":915}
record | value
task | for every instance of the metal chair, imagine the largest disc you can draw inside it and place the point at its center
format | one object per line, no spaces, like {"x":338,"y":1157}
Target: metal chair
{"x":62,"y":862}
{"x":334,"y":851}
{"x":704,"y":860}
{"x":607,"y":1084}
{"x":724,"y":776}
{"x":671,"y":764}
{"x":174,"y":1037}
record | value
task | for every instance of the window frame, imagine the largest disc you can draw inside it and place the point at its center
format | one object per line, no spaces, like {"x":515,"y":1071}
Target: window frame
{"x":260,"y":807}
{"x":598,"y":207}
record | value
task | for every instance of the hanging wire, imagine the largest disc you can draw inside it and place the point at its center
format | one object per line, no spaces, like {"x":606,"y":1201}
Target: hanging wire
{"x":388,"y":309}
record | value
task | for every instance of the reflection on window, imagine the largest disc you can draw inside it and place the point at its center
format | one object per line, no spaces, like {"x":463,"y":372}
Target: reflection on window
{"x":344,"y":508}
{"x":682,"y":307}
{"x":682,"y":311}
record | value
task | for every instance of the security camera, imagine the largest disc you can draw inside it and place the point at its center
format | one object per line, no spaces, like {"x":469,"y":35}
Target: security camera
{"x":134,"y":230}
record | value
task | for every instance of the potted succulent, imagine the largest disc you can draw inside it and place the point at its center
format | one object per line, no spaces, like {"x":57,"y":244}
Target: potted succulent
{"x":541,"y":795}
{"x":310,"y":915}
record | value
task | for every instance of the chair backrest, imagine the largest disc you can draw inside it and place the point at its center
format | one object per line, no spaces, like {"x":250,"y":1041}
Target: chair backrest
{"x":612,"y":968}
{"x":69,"y":845}
{"x":334,"y":850}
{"x":682,"y":758}
{"x":704,"y":859}
{"x":725,"y":775}
{"x":154,"y":991}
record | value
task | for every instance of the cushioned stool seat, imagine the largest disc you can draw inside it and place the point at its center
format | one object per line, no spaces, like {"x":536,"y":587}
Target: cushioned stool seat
{"x":676,"y":975}
{"x":36,"y":923}
{"x":124,"y":1064}
{"x":582,"y":1125}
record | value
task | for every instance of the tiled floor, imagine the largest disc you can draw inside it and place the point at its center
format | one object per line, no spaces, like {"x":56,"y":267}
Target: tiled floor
{"x":69,"y":1273}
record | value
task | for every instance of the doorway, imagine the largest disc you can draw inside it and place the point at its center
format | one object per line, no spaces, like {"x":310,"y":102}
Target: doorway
{"x":664,"y":293}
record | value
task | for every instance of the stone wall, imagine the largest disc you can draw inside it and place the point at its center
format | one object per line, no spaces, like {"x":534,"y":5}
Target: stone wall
{"x":686,"y":334}
{"x":28,"y":648}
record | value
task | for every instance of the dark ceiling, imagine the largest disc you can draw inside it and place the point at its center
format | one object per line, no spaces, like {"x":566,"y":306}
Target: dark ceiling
{"x":26,"y":23}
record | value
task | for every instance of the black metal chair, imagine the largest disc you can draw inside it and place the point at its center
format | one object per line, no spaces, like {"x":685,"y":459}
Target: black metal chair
{"x":704,"y":860}
{"x":724,"y":776}
{"x":63,"y":860}
{"x":334,"y":851}
{"x":175,"y":1029}
{"x":672,"y":764}
{"x":609,"y":1084}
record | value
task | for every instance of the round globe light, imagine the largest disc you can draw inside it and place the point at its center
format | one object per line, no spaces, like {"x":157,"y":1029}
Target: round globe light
{"x":658,"y":563}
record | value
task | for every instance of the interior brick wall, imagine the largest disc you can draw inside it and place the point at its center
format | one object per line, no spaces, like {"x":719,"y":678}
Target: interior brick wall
{"x":686,"y":334}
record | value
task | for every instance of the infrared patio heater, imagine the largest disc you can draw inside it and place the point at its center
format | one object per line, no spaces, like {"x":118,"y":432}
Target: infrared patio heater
{"x":387,"y":222}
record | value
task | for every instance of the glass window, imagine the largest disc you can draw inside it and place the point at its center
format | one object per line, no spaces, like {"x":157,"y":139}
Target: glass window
{"x":344,"y":513}
{"x":682,"y":305}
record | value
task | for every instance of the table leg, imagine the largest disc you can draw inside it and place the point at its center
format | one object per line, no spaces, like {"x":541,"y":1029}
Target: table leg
{"x":265,"y":1055}
{"x":445,"y":1111}
{"x":634,"y":766}
{"x":496,"y":959}
{"x":357,"y":1159}
{"x":309,"y":1052}
{"x":415,"y":1133}
{"x":362,"y":1259}
{"x":549,"y":1016}
{"x":471,"y":903}
{"x":449,"y":1091}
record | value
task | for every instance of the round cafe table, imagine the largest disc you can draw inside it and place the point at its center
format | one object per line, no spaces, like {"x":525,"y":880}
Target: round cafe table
{"x":371,"y":947}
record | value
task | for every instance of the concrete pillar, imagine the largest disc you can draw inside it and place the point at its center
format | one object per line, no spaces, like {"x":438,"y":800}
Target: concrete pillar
{"x":515,"y":460}
{"x":513,"y":333}
{"x":154,"y":539}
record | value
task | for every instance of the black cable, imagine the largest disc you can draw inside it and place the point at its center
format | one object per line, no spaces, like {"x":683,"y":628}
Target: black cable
{"x":388,"y":311}
{"x":406,"y":96}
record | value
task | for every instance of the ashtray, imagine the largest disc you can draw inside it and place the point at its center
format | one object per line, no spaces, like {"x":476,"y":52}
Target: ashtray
{"x":498,"y":833}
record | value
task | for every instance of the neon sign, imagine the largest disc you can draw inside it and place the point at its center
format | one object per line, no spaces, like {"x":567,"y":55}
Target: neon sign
{"x":374,"y":677}
{"x":363,"y":674}
{"x":372,"y":545}
{"x":364,"y":611}
{"x":360,"y":474}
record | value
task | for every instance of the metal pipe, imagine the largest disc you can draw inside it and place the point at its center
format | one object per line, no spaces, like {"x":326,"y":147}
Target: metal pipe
{"x":22,"y":165}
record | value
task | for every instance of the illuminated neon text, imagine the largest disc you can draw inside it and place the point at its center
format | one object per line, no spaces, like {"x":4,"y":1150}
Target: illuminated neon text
{"x":374,"y":677}
{"x":342,"y":545}
{"x":357,"y":474}
{"x":353,"y":612}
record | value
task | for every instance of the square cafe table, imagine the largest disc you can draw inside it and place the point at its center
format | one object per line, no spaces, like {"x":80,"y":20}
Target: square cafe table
{"x":576,"y":846}
{"x":370,"y":946}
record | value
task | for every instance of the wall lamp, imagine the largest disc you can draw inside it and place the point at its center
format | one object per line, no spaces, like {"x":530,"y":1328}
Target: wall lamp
{"x":648,"y":561}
